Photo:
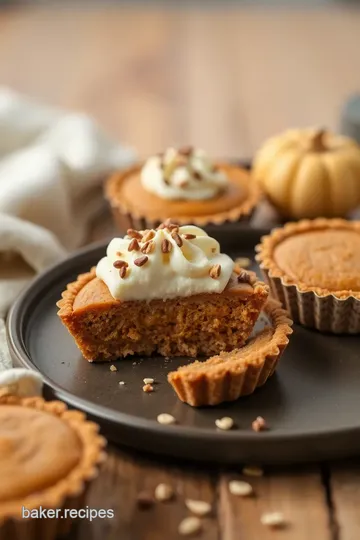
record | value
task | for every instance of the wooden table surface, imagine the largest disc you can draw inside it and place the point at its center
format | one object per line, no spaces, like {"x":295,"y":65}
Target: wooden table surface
{"x":223,"y":79}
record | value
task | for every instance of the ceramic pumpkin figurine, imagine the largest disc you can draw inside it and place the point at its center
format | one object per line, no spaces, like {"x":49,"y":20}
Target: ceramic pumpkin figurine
{"x":309,"y":173}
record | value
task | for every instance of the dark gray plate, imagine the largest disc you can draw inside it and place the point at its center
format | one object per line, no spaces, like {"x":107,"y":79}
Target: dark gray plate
{"x":312,"y":403}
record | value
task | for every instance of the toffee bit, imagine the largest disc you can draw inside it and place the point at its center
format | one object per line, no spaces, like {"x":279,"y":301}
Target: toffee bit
{"x":145,"y":500}
{"x":215,"y":271}
{"x":186,"y":150}
{"x":149,"y":235}
{"x":259,"y":424}
{"x":166,"y":246}
{"x":189,"y":236}
{"x":140,"y":261}
{"x":113,"y":368}
{"x":177,"y":238}
{"x":244,"y":277}
{"x":120,"y":264}
{"x":122,"y":272}
{"x":134,"y":245}
{"x":147,"y":247}
{"x":134,"y":234}
{"x":148,"y":388}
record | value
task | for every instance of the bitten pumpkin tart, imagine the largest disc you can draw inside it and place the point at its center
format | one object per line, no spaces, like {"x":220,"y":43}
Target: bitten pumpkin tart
{"x":313,"y":267}
{"x":168,"y":291}
{"x":185,"y":184}
{"x":48,"y":456}
{"x":309,"y":173}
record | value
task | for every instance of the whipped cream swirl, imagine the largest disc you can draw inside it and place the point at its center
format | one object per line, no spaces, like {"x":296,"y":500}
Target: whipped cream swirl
{"x":168,"y":262}
{"x":182,"y":174}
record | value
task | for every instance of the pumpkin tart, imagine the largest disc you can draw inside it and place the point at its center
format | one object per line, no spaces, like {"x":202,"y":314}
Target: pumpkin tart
{"x":198,"y":199}
{"x":167,"y":291}
{"x":48,"y":456}
{"x":313,"y":268}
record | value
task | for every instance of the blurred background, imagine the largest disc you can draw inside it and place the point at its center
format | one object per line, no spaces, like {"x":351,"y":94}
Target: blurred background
{"x":221,"y":75}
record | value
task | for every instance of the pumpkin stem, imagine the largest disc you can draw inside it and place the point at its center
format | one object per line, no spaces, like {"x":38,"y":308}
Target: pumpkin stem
{"x":317,"y":143}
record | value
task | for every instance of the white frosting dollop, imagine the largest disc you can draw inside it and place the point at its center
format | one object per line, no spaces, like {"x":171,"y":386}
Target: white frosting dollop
{"x":182,"y":174}
{"x":170,"y":270}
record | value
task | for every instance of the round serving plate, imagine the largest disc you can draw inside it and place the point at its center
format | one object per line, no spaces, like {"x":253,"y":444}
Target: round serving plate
{"x":311,"y":404}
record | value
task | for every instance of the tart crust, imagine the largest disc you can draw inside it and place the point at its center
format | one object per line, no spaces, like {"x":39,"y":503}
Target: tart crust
{"x":336,"y":311}
{"x":67,"y":493}
{"x":229,"y":375}
{"x":88,"y":297}
{"x":127,"y":215}
{"x":268,"y":244}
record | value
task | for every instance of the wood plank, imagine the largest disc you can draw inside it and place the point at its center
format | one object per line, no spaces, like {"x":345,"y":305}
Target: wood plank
{"x":345,"y":493}
{"x":298,"y":495}
{"x":124,"y":476}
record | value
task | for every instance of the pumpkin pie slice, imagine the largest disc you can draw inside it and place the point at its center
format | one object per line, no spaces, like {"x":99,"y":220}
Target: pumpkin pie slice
{"x":313,"y":268}
{"x":185,"y":184}
{"x":48,"y":457}
{"x":167,"y":291}
{"x":230,"y":375}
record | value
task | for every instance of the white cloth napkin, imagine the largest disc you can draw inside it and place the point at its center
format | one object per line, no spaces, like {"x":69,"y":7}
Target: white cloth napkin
{"x":51,"y":166}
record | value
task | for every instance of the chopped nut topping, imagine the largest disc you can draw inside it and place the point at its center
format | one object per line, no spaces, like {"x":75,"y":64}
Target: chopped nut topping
{"x":197,"y":175}
{"x":166,"y":246}
{"x":120,"y":264}
{"x":243,"y":262}
{"x":189,"y":236}
{"x":215,"y":271}
{"x":252,"y":470}
{"x":240,"y":488}
{"x":149,"y":235}
{"x":177,"y":238}
{"x":134,"y":234}
{"x":148,"y":380}
{"x":141,"y":261}
{"x":113,"y":368}
{"x":166,"y":419}
{"x":148,"y":247}
{"x":224,"y":423}
{"x":122,"y":272}
{"x":164,"y":492}
{"x":200,"y":508}
{"x":148,"y":388}
{"x":145,"y":500}
{"x":186,"y":150}
{"x":189,"y":525}
{"x":244,"y":277}
{"x":134,"y":245}
{"x":273,"y":519}
{"x":259,"y":424}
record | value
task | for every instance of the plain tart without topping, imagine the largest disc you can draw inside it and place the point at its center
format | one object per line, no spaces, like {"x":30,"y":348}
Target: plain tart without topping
{"x":48,"y":458}
{"x":230,"y":375}
{"x":167,"y":291}
{"x":313,"y":268}
{"x":184,"y":184}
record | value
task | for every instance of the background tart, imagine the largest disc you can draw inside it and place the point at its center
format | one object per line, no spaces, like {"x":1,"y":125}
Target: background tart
{"x":48,"y":456}
{"x":201,"y":324}
{"x":133,"y":206}
{"x":230,"y":375}
{"x":313,"y":268}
